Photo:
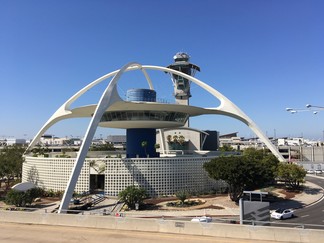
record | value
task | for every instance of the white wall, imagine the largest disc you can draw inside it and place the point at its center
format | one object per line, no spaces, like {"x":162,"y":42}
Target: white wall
{"x":260,"y":233}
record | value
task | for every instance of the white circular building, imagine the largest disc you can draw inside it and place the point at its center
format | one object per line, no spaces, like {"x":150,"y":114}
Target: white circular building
{"x":145,"y":120}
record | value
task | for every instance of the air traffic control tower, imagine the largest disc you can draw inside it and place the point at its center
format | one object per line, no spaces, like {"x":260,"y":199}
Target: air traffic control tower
{"x":182,"y":85}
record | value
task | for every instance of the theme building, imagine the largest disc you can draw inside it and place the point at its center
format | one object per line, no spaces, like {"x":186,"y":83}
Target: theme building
{"x":178,"y":163}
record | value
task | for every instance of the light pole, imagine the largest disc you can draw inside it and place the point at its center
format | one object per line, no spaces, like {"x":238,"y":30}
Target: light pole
{"x":313,"y":108}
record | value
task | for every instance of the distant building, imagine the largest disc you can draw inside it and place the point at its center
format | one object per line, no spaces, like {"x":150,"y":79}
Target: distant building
{"x":299,"y":141}
{"x":14,"y":141}
{"x":212,"y":141}
{"x":119,"y":141}
{"x":51,"y":140}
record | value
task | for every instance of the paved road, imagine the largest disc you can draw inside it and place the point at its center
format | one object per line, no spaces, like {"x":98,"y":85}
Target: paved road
{"x":313,"y":214}
{"x":24,"y":233}
{"x":309,"y":216}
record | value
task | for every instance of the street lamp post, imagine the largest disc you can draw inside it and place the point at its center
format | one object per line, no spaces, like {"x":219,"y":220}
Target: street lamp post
{"x":314,"y":108}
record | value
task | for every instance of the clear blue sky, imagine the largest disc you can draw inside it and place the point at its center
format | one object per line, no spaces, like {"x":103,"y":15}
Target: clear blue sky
{"x":263,"y":55}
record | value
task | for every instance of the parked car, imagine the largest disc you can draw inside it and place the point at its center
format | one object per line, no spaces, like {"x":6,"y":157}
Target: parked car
{"x":318,"y":171}
{"x":310,"y":172}
{"x":281,"y":213}
{"x":202,"y":219}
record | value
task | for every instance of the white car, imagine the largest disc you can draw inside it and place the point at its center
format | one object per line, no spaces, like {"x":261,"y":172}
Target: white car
{"x":202,"y":219}
{"x":282,"y":213}
{"x":318,"y":171}
{"x":310,"y":172}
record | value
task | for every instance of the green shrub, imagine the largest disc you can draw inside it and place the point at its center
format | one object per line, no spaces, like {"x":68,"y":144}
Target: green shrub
{"x":132,"y":195}
{"x":182,"y":195}
{"x":21,"y":198}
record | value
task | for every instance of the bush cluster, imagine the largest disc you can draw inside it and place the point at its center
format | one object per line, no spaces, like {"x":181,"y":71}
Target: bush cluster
{"x":22,"y":198}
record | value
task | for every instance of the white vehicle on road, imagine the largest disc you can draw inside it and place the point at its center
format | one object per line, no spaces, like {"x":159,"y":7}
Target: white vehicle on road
{"x":282,"y":213}
{"x":202,"y":219}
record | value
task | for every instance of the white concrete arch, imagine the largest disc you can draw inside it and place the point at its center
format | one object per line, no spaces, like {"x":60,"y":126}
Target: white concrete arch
{"x":109,"y":96}
{"x":65,"y":112}
{"x":226,"y":107}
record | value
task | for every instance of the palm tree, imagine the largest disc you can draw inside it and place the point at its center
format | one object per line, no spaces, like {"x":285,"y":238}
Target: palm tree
{"x":144,"y":145}
{"x":181,"y":139}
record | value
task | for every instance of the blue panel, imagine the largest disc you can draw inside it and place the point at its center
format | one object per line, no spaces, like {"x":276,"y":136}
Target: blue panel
{"x":135,"y":137}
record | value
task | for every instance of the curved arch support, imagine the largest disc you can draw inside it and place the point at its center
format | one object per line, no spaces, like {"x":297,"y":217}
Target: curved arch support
{"x":64,"y":112}
{"x":226,"y":107}
{"x":59,"y":115}
{"x":109,"y":96}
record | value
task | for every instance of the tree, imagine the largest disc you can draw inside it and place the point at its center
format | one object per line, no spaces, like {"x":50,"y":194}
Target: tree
{"x":144,"y":145}
{"x":132,"y":195}
{"x":265,"y":159}
{"x":40,"y":150}
{"x":103,"y":147}
{"x":21,"y":198}
{"x":181,"y":139}
{"x":226,"y":148}
{"x":231,"y":170}
{"x":98,"y":166}
{"x":254,"y":154}
{"x":292,"y":174}
{"x":246,"y":172}
{"x":11,"y":159}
